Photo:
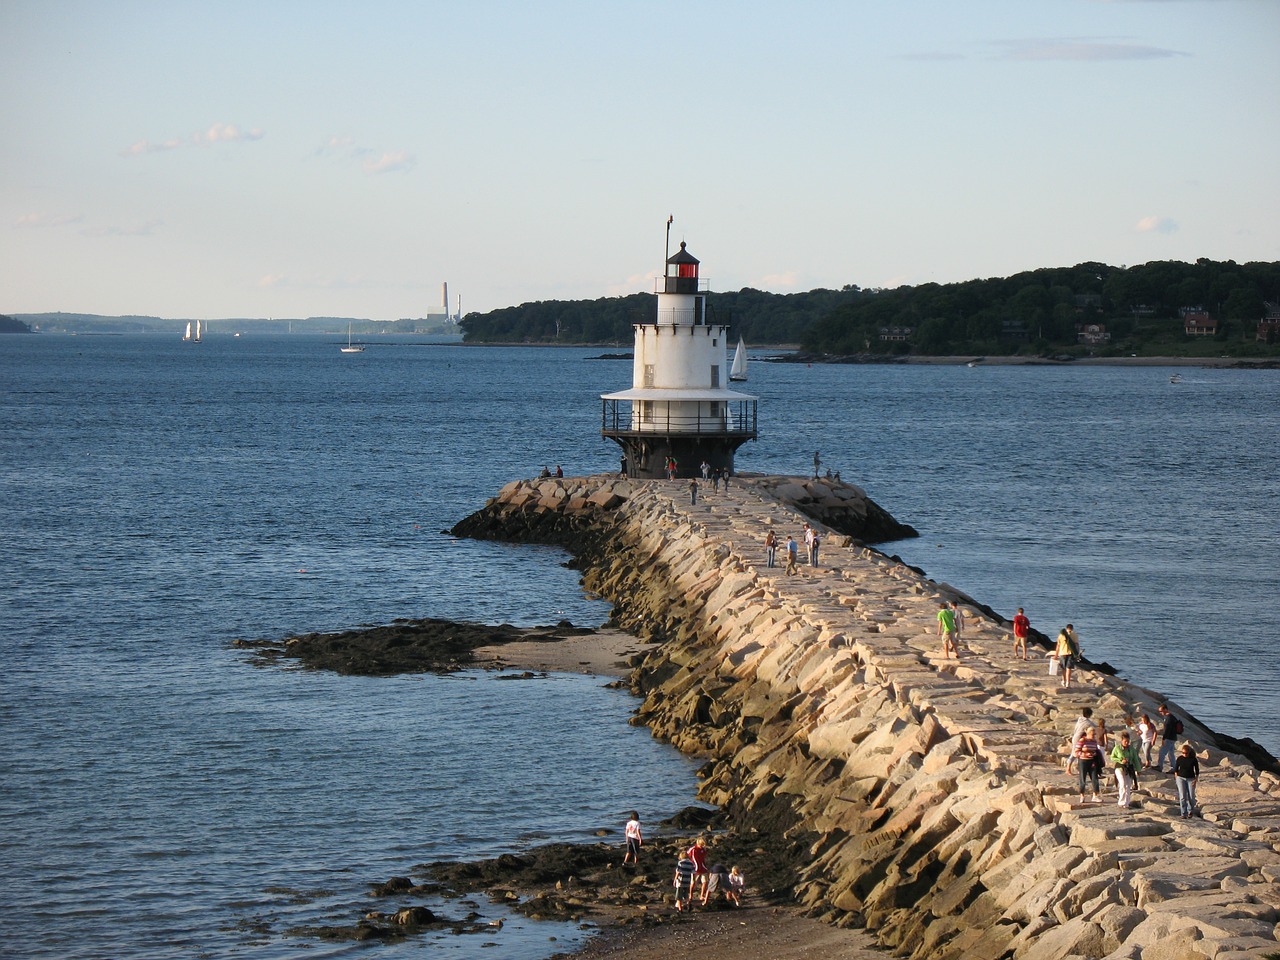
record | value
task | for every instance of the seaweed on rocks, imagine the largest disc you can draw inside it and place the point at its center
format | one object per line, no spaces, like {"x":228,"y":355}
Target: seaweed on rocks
{"x":405,"y":646}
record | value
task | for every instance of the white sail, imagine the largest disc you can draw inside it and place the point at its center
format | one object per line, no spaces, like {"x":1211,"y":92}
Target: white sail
{"x":187,"y":335}
{"x":351,"y":347}
{"x":739,"y":369}
{"x":197,"y":331}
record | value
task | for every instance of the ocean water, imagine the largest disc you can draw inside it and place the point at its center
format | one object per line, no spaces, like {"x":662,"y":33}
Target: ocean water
{"x":160,"y":796}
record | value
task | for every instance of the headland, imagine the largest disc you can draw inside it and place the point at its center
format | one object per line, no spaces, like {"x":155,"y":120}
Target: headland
{"x":921,"y":798}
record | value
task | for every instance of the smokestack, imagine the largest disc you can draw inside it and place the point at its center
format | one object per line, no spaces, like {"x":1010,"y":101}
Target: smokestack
{"x":445,"y":301}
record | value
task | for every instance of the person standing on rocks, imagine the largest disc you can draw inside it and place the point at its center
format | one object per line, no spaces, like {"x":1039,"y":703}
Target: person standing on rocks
{"x":1021,"y":628}
{"x":955,"y":608}
{"x":693,"y":491}
{"x":698,"y":854}
{"x":947,"y":631}
{"x":1169,"y":732}
{"x":1124,"y":755}
{"x":1083,"y":723}
{"x":706,"y":470}
{"x":817,"y":462}
{"x":814,"y":542}
{"x":770,"y":548}
{"x":1088,"y":753}
{"x":1186,"y":774}
{"x":793,"y":554}
{"x":634,"y":840}
{"x":1147,"y":730}
{"x":683,"y":883}
{"x":1067,"y":652}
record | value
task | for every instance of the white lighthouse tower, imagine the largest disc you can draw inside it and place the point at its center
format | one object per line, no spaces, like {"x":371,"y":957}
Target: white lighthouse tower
{"x":679,"y":405}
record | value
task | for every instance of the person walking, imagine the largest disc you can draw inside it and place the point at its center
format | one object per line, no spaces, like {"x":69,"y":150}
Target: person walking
{"x":1125,"y":759}
{"x":793,"y":554}
{"x":1021,"y":627}
{"x":634,"y":839}
{"x":1147,"y":731}
{"x":814,"y":542}
{"x":955,"y":608}
{"x":1067,"y":652}
{"x":947,"y":631}
{"x":683,"y":882}
{"x":770,"y":548}
{"x":1087,"y":754}
{"x":693,"y":491}
{"x":1171,"y":729}
{"x":1186,"y":774}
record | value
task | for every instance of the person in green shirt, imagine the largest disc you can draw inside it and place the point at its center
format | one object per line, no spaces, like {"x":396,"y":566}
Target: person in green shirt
{"x":947,"y":631}
{"x":1125,"y":759}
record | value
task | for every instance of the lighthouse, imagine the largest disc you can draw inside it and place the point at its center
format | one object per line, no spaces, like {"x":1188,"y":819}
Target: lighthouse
{"x":679,"y":405}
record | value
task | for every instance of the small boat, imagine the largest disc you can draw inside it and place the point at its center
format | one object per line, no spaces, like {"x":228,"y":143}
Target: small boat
{"x":739,"y":369}
{"x":188,"y":336}
{"x":1176,"y":378}
{"x":351,"y":347}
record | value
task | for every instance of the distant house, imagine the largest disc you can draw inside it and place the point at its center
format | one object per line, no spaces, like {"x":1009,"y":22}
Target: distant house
{"x":1013,"y":330}
{"x":1269,"y":325}
{"x":1196,"y":322}
{"x":1092,"y":334}
{"x":895,"y":333}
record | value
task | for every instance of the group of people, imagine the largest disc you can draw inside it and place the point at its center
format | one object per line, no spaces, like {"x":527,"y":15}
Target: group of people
{"x":547,"y":473}
{"x":791,"y":549}
{"x":1092,"y":746}
{"x":713,"y":883}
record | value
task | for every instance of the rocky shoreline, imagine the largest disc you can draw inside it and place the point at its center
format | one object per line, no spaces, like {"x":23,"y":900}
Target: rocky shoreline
{"x":865,"y":779}
{"x":924,"y":798}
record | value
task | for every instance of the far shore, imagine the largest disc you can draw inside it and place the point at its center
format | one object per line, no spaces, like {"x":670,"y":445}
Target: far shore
{"x":1261,"y":363}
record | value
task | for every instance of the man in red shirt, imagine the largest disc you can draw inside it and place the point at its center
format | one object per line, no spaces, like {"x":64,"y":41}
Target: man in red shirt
{"x":1021,"y":626}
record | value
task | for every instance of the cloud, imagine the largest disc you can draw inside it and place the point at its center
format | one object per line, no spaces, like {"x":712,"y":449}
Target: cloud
{"x":395,"y":161}
{"x":144,"y":229}
{"x":1156,"y":225}
{"x":38,"y":220}
{"x":217,"y":133}
{"x":372,"y":162}
{"x":1080,"y":49}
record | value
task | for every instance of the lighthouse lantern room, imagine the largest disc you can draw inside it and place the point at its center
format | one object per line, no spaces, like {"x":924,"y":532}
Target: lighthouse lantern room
{"x":679,"y":406}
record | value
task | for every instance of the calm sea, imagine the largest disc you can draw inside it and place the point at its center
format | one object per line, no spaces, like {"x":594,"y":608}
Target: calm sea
{"x":159,"y":796}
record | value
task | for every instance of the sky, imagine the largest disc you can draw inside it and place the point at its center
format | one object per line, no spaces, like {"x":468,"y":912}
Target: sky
{"x":292,"y":158}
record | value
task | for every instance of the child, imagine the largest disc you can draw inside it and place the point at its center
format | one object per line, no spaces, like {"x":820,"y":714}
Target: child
{"x":683,"y":883}
{"x":737,"y":884}
{"x":634,"y":840}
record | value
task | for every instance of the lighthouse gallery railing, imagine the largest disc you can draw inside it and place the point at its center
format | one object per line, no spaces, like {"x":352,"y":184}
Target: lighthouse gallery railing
{"x":623,"y":418}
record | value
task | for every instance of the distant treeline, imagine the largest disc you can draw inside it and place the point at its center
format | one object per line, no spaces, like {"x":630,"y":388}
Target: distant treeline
{"x":1138,"y":309}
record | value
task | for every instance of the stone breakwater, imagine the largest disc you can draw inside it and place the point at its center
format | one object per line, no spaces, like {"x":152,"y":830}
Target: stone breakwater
{"x":924,"y":797}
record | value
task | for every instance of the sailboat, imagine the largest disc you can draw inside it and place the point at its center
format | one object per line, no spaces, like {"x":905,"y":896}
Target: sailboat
{"x":739,"y":369}
{"x":196,"y":338}
{"x":351,"y":347}
{"x":187,"y":335}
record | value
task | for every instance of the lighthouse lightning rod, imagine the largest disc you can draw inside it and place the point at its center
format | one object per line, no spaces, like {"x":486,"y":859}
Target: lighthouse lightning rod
{"x":666,"y":254}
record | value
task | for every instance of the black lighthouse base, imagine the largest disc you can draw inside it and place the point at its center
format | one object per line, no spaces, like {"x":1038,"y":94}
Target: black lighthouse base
{"x":645,"y":456}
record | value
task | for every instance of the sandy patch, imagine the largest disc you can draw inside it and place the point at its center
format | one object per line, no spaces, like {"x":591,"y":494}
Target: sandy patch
{"x":605,"y":653}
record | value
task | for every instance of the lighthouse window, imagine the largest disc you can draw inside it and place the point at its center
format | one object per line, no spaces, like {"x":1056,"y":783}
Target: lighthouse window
{"x":715,"y":375}
{"x":688,"y":270}
{"x":646,"y":411}
{"x":648,"y":374}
